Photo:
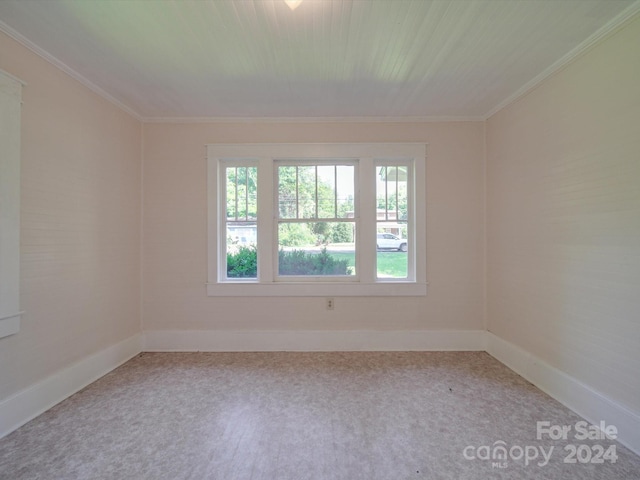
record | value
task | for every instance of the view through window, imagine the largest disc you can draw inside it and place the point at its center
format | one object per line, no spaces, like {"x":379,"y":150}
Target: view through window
{"x":304,"y":219}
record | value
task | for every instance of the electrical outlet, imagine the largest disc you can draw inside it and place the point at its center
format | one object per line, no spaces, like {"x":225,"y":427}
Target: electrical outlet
{"x":330,"y":304}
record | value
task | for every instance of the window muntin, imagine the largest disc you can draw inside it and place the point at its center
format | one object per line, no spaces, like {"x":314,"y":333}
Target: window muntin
{"x":369,"y":276}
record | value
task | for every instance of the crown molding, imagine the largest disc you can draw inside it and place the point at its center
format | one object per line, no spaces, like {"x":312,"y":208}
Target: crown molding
{"x":602,"y":33}
{"x":18,"y":37}
{"x":371,"y":119}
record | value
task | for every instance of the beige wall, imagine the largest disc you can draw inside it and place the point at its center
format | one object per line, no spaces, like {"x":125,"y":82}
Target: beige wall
{"x":80,"y":230}
{"x":175,"y":232}
{"x":563,"y":203}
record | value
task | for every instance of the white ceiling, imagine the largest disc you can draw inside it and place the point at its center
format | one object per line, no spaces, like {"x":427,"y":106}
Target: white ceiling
{"x":328,"y":58}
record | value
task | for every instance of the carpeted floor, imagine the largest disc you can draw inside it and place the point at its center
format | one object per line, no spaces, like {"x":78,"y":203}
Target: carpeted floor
{"x":280,"y":416}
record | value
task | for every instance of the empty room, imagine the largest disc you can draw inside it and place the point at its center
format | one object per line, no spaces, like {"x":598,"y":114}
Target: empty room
{"x":319,"y":239}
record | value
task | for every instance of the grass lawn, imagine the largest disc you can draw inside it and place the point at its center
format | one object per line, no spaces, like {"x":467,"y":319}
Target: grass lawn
{"x":390,"y":264}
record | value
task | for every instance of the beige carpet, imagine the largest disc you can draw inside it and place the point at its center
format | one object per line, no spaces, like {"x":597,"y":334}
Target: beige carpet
{"x":228,"y":416}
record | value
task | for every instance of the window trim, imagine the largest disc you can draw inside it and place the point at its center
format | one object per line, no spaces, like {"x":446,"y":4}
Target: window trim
{"x":266,"y":156}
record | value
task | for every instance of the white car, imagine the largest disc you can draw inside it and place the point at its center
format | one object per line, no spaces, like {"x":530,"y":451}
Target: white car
{"x":388,"y":241}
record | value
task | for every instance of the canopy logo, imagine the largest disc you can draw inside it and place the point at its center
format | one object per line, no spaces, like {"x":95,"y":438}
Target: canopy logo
{"x":500,"y":454}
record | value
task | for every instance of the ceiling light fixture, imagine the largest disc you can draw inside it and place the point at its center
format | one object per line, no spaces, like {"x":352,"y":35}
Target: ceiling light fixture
{"x":293,"y":4}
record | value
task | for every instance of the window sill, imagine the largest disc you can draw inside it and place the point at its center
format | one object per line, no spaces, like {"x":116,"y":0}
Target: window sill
{"x":334,"y":289}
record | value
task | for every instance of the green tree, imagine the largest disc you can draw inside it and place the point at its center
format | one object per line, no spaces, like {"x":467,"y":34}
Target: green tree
{"x":295,"y":235}
{"x":243,"y":263}
{"x":322,"y":231}
{"x":394,"y":196}
{"x":299,"y":262}
{"x":342,"y":233}
{"x":302,"y":194}
{"x":242,"y":193}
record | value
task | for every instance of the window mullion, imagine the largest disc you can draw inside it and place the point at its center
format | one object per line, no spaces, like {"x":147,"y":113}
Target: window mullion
{"x":366,"y":207}
{"x":267,"y":215}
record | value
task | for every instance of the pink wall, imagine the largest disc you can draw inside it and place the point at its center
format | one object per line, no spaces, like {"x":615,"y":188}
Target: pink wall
{"x":563,"y":204}
{"x":175,"y":232}
{"x":80,"y":208}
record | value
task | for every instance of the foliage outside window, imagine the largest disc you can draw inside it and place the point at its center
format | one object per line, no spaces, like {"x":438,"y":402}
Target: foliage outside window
{"x":316,"y":210}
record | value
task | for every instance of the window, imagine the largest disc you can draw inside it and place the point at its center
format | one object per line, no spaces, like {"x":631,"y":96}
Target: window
{"x":10,"y":104}
{"x":316,"y":219}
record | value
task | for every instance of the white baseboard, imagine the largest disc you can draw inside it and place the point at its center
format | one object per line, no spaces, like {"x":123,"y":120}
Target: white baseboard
{"x":313,"y":341}
{"x":27,"y":404}
{"x":582,"y":399}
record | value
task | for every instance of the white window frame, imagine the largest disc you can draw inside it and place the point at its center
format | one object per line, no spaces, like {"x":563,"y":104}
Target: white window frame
{"x":10,"y":113}
{"x":367,"y":157}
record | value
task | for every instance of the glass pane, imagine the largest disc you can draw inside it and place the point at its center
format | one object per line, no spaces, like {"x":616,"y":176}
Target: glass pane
{"x":251,"y":188}
{"x":346,"y":191}
{"x":287,"y":194}
{"x":316,"y":249}
{"x":242,"y":256}
{"x":392,"y":264}
{"x":231,"y":193}
{"x":326,"y":191}
{"x":307,"y":192}
{"x":391,"y":193}
{"x":241,"y":188}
